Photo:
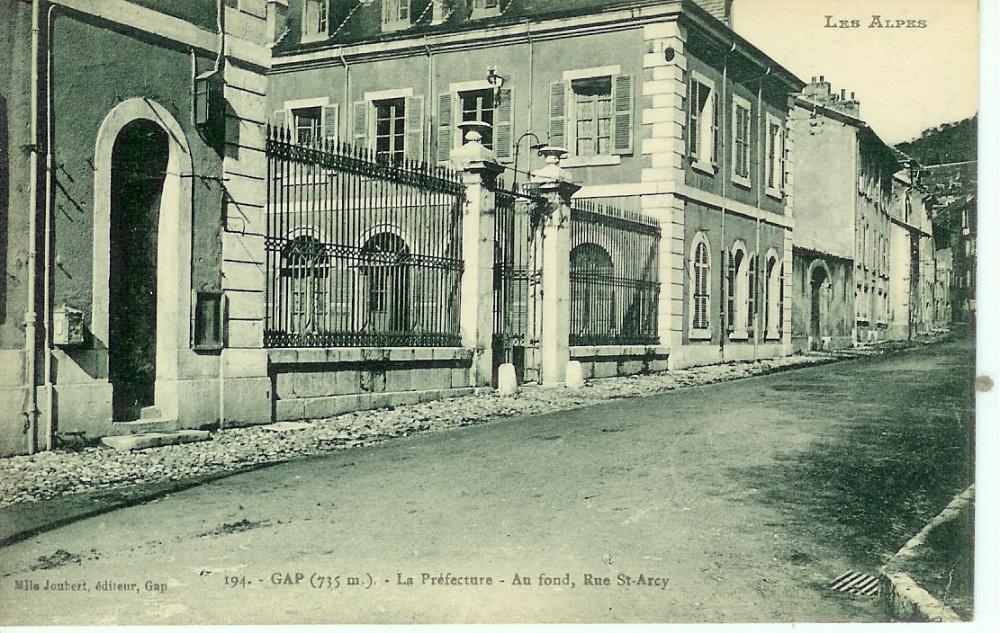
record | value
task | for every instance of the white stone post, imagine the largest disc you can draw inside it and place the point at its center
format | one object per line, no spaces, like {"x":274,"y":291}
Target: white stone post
{"x":558,"y":191}
{"x":479,"y":173}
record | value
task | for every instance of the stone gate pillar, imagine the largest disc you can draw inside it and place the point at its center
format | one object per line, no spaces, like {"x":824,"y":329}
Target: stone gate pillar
{"x":479,"y":174}
{"x":556,"y":243}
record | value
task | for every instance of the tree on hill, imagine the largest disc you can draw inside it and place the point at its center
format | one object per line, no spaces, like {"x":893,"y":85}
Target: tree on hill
{"x":946,"y":143}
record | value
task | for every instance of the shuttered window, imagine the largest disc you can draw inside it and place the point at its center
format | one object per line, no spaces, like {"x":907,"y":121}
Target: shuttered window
{"x":390,"y":129}
{"x":477,"y":105}
{"x":700,"y":282}
{"x":741,"y":141}
{"x":307,"y":125}
{"x":593,"y":116}
{"x":703,"y":121}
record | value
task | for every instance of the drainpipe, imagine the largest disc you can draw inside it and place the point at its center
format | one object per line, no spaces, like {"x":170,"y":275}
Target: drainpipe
{"x":762,"y":133}
{"x":220,"y":22}
{"x":347,"y":96}
{"x":430,"y":101}
{"x":724,"y":168}
{"x":30,"y":315}
{"x":50,"y":431}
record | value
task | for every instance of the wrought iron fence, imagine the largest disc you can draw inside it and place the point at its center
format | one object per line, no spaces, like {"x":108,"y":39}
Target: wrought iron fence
{"x":613,"y":279}
{"x":360,"y":251}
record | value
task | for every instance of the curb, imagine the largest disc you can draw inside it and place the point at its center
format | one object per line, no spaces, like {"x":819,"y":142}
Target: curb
{"x":901,"y":596}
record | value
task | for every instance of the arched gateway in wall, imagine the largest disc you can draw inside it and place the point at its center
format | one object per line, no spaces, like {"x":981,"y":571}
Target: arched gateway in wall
{"x":142,"y":255}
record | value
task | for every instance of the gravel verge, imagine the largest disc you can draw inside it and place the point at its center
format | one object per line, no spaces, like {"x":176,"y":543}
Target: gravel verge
{"x":31,"y":478}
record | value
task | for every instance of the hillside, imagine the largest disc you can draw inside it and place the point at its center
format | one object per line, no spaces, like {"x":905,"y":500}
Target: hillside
{"x":946,"y":143}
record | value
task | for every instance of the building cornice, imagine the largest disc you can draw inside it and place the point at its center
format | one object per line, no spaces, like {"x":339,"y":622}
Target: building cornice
{"x":168,"y":27}
{"x":505,"y":35}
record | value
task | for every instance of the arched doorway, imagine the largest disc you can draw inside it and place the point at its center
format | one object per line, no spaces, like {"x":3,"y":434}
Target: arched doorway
{"x":138,"y":171}
{"x":143,"y":228}
{"x":819,"y":281}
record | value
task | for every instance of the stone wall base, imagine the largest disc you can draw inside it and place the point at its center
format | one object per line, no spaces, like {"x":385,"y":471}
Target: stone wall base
{"x":609,"y":361}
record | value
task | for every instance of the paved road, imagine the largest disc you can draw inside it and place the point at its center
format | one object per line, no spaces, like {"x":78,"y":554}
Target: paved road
{"x":666,"y":487}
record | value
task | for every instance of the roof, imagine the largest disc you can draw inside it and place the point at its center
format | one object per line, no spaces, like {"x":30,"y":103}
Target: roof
{"x":360,"y":22}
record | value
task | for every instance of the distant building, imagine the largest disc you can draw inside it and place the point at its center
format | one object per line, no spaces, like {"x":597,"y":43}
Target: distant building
{"x":842,"y":189}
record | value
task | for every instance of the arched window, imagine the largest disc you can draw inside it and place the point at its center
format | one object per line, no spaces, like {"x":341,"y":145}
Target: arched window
{"x":700,"y":282}
{"x":387,"y":277}
{"x":305,"y":270}
{"x":592,"y":291}
{"x":781,"y":300}
{"x":772,"y":298}
{"x":738,"y":291}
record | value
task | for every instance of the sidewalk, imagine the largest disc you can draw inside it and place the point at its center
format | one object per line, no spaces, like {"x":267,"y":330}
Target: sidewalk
{"x":40,"y":492}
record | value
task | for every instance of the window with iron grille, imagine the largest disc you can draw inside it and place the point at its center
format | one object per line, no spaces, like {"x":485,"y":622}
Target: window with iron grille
{"x":738,"y":294}
{"x":304,"y":272}
{"x":477,"y":105}
{"x":741,"y":141}
{"x":613,"y":284}
{"x":773,"y":298}
{"x":390,"y":129}
{"x":593,"y":116}
{"x":387,"y":274}
{"x":594,"y":306}
{"x":700,"y":298}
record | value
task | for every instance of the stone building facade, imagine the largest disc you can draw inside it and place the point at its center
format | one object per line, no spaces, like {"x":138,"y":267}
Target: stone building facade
{"x":131,"y":292}
{"x":662,"y":108}
{"x":843,"y":187}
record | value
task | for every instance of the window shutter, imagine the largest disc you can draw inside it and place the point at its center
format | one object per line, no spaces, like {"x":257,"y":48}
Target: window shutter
{"x":445,"y":129}
{"x":557,"y":113}
{"x":731,"y":292}
{"x":694,"y":98}
{"x":716,"y":121}
{"x":331,"y":119}
{"x":621,"y":126}
{"x":784,"y":156}
{"x":503,"y":126}
{"x":414,"y":145}
{"x":360,"y":122}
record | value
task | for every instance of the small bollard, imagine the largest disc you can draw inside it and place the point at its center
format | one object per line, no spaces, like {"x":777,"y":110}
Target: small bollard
{"x":574,"y":375}
{"x":507,"y":380}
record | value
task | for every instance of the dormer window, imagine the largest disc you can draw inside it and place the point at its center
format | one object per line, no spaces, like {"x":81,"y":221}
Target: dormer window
{"x":395,"y":14}
{"x":315,"y":20}
{"x":485,"y":8}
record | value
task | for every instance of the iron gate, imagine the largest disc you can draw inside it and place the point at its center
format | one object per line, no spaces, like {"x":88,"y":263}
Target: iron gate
{"x":517,"y":275}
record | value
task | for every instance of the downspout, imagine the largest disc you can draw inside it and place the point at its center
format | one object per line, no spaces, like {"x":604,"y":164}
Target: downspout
{"x":531,"y":93}
{"x":724,"y":169}
{"x":761,"y":184}
{"x":430,"y":101}
{"x":220,"y":20}
{"x":50,"y":431}
{"x":30,"y":315}
{"x":347,"y":94}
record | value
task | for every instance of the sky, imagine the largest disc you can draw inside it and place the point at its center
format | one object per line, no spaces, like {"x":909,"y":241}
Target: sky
{"x":906,"y":79}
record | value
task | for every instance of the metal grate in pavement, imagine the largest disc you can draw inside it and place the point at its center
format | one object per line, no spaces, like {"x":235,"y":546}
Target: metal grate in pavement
{"x":856,"y":583}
